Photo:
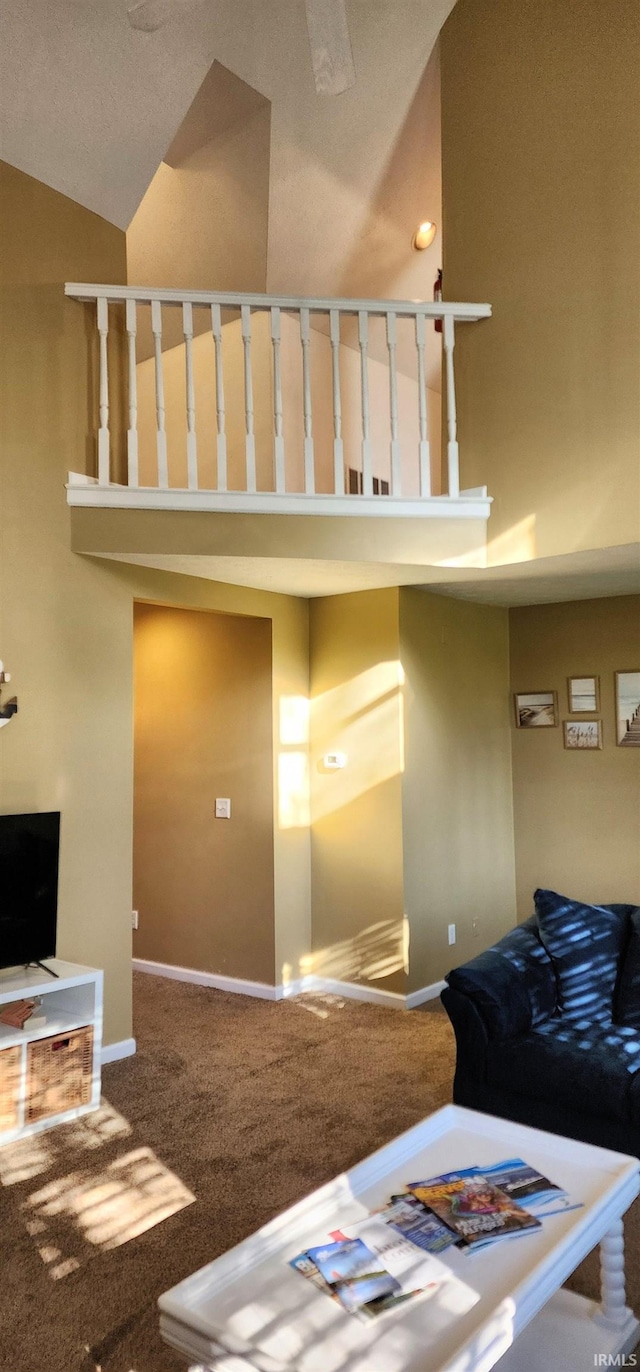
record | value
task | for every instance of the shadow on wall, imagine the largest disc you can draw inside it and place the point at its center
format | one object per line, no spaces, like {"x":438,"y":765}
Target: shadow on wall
{"x":362,"y":719}
{"x":370,"y":955}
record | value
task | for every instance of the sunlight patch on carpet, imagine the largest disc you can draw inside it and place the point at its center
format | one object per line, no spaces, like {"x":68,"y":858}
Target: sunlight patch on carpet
{"x":24,"y":1159}
{"x":112,"y":1206}
{"x":101,"y":1126}
{"x":30,"y":1157}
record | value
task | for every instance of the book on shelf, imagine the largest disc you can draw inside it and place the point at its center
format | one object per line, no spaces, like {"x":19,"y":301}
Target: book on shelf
{"x":16,"y":1013}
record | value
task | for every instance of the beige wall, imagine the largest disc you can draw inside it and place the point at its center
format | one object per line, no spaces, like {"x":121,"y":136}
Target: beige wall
{"x":203,"y":224}
{"x":457,"y":816}
{"x":67,"y":622}
{"x":416,"y":832}
{"x":356,"y":708}
{"x":203,"y":887}
{"x":66,"y":638}
{"x":541,"y":189}
{"x":577,"y":814}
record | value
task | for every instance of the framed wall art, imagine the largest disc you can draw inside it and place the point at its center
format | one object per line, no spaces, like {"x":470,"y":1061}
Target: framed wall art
{"x":582,"y":734}
{"x":628,"y":709}
{"x":536,"y":709}
{"x":584,"y":694}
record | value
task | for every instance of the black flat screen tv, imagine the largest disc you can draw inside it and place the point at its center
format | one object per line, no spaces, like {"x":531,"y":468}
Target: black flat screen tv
{"x":29,"y":848}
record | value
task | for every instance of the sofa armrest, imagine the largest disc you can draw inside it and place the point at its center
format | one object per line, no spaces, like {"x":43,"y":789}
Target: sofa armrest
{"x":470,"y":1032}
{"x":498,"y":991}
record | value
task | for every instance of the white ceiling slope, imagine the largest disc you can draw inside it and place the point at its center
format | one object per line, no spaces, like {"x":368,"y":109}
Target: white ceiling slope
{"x":89,"y":105}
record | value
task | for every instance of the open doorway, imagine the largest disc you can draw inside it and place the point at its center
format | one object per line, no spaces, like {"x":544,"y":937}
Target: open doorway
{"x":203,"y":885}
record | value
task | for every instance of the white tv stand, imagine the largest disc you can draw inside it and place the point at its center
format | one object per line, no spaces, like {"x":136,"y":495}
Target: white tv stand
{"x":70,"y":1001}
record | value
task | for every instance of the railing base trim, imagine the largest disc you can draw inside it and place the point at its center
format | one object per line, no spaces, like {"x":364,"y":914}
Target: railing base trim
{"x":269,"y":502}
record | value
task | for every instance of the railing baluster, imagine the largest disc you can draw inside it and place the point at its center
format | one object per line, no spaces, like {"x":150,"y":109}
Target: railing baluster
{"x":338,"y":446}
{"x":424,"y":455}
{"x":396,"y":460}
{"x":104,"y":442}
{"x":161,"y":437}
{"x":221,"y":437}
{"x":309,"y":460}
{"x":132,"y":433}
{"x":250,"y":439}
{"x":363,"y":338}
{"x":192,"y":449}
{"x":381,"y":460}
{"x":278,"y":435}
{"x":453,"y":461}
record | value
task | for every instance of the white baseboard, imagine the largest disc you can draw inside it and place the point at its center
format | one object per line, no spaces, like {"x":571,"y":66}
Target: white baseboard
{"x":350,"y":990}
{"x":219,"y":983}
{"x":425,"y":993}
{"x":112,"y":1052}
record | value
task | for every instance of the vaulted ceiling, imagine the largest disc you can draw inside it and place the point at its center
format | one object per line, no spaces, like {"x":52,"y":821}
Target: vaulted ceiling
{"x":89,"y":105}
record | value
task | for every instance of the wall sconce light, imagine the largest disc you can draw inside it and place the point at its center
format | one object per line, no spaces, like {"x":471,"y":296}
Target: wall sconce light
{"x":424,"y":235}
{"x":8,"y":708}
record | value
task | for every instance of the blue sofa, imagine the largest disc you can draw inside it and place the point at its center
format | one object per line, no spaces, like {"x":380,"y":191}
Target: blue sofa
{"x":547,"y":1023}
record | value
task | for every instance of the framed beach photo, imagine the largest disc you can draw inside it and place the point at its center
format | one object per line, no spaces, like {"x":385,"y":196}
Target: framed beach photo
{"x":582,"y":734}
{"x":584,"y":694}
{"x":628,"y":709}
{"x":536,"y":709}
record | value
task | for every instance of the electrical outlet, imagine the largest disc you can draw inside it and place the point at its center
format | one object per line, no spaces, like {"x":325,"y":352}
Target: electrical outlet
{"x":134,"y":919}
{"x":452,"y":933}
{"x":475,"y":928}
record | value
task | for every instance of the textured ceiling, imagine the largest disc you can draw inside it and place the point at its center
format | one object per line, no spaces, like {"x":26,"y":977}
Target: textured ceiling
{"x":90,"y":105}
{"x":577,"y":576}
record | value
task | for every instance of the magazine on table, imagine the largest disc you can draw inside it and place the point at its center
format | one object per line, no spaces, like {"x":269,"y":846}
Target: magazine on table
{"x":375,"y":1264}
{"x":474,"y":1208}
{"x":371,"y":1269}
{"x":410,"y":1217}
{"x":528,"y":1187}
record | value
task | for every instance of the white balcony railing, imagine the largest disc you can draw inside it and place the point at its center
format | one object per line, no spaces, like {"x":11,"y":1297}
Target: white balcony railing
{"x":210,"y":400}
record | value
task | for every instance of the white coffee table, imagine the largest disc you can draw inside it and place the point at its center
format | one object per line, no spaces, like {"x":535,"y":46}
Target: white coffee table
{"x":248,"y":1310}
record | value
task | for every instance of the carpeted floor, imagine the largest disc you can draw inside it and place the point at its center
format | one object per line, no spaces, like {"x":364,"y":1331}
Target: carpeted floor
{"x":244,"y":1105}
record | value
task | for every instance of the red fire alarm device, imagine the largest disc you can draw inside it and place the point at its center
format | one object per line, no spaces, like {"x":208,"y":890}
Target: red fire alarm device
{"x":437,"y":295}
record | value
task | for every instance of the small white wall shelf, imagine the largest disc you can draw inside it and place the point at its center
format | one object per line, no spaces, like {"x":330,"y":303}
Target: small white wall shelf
{"x":70,"y":1002}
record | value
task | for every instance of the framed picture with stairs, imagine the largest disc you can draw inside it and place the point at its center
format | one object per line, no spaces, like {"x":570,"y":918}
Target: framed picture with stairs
{"x":628,"y":709}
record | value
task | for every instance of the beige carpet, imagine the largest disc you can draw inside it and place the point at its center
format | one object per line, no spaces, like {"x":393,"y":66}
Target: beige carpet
{"x":242,"y":1104}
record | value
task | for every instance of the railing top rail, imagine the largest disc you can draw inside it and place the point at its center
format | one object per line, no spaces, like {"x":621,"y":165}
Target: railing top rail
{"x":233,"y":299}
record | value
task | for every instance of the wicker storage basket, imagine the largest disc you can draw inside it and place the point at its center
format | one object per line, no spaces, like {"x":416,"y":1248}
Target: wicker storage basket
{"x":9,"y":1088}
{"x":59,"y":1074}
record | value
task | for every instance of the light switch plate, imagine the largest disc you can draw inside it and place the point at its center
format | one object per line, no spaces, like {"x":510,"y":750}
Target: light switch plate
{"x":223,"y":807}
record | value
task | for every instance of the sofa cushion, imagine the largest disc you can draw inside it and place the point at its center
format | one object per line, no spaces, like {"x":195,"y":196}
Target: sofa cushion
{"x":523,"y":949}
{"x":584,"y":943}
{"x":589,"y":1067}
{"x":512,"y":984}
{"x":627,"y":1005}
